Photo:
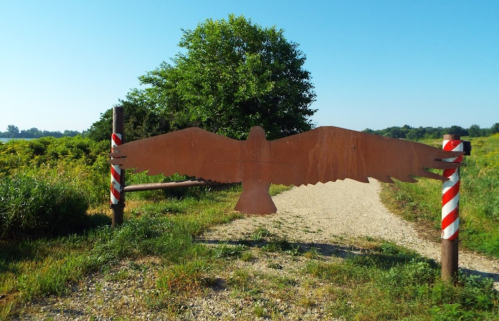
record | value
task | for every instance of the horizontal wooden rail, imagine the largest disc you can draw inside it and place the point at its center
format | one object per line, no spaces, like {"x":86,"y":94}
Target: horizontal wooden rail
{"x":152,"y":186}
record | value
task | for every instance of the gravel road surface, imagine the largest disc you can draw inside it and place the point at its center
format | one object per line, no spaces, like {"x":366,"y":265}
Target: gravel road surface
{"x":316,"y":213}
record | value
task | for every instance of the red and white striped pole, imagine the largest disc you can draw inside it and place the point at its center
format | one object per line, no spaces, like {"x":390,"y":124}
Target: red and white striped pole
{"x":115,"y":172}
{"x":450,"y":210}
{"x":117,"y":175}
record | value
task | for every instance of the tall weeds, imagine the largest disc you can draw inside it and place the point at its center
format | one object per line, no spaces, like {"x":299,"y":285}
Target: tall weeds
{"x":34,"y":207}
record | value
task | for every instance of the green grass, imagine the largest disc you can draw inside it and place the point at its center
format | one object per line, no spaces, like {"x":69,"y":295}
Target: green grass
{"x":260,"y":234}
{"x":32,"y":207}
{"x":392,"y":283}
{"x":30,"y":269}
{"x":479,"y":198}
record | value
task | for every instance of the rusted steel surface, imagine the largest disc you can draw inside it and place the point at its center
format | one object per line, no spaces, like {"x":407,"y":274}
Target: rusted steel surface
{"x":320,"y":155}
{"x":153,"y":186}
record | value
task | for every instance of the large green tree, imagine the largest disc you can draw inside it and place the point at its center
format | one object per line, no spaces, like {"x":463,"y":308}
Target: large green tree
{"x":142,"y":120}
{"x":232,"y":75}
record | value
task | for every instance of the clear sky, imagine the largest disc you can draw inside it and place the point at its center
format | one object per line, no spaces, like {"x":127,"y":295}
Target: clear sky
{"x":375,"y":64}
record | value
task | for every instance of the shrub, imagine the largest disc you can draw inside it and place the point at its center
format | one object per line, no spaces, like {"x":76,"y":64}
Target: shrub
{"x":79,"y":161}
{"x":34,"y":207}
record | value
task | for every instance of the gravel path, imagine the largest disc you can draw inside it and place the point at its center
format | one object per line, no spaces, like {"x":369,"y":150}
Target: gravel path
{"x":317,"y":213}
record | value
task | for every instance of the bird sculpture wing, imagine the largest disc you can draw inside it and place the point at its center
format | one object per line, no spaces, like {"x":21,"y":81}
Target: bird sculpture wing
{"x":192,"y":152}
{"x":330,"y":153}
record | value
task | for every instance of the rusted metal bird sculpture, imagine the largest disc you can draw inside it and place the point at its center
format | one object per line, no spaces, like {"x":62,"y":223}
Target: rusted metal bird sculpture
{"x":322,"y":155}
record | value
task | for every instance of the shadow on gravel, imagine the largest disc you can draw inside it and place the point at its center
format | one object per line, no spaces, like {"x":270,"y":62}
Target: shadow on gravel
{"x":366,"y":256}
{"x":322,"y":249}
{"x":493,"y":276}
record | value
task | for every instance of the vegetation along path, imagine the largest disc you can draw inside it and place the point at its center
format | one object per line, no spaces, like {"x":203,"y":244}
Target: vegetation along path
{"x":328,"y":254}
{"x":317,"y":214}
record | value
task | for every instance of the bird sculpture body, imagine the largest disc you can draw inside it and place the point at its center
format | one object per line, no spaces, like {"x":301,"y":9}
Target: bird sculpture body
{"x":320,"y":155}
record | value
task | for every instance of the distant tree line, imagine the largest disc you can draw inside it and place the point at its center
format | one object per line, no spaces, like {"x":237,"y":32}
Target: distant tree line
{"x":404,"y":132}
{"x":413,"y":133}
{"x":14,"y":132}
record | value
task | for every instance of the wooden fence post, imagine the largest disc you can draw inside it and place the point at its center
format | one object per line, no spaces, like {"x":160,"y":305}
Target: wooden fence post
{"x":117,"y":174}
{"x":450,"y":212}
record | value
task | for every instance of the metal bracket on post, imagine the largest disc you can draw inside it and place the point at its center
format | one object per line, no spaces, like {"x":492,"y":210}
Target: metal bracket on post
{"x":466,"y":147}
{"x":117,"y":174}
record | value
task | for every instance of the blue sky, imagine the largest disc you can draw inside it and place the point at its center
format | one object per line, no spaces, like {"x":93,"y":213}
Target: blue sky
{"x":374,"y":64}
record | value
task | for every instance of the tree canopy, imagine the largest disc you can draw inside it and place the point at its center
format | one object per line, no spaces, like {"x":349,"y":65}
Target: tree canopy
{"x":232,"y":75}
{"x":142,"y":120}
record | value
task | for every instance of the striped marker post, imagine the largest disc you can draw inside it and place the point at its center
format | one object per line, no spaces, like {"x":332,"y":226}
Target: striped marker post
{"x":450,"y":211}
{"x":117,"y":175}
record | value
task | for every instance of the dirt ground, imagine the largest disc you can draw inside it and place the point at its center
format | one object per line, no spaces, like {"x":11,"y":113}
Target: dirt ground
{"x":316,"y":213}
